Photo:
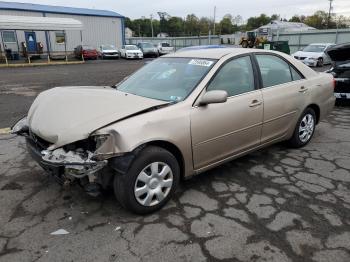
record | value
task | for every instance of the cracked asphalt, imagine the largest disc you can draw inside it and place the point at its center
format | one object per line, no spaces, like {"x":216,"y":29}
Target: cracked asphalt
{"x":277,"y":204}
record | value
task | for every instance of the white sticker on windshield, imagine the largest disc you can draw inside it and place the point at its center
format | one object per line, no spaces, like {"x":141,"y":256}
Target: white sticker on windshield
{"x":200,"y":62}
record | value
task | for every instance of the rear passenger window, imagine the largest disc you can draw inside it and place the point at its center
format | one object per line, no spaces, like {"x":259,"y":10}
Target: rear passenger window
{"x":295,"y":74}
{"x":274,"y":70}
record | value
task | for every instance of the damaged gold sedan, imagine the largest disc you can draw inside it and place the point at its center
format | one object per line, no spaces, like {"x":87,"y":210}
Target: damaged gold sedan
{"x":176,"y":117}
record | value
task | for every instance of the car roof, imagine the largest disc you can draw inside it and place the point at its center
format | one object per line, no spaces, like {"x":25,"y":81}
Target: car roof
{"x":215,"y":53}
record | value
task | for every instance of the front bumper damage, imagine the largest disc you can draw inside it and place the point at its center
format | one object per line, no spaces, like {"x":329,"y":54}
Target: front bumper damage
{"x":68,"y":167}
{"x":92,"y":162}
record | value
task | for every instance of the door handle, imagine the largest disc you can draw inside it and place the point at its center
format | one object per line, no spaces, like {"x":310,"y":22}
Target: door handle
{"x":302,"y":89}
{"x":255,"y":103}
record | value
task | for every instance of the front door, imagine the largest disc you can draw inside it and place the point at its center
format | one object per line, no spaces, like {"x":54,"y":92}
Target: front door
{"x":31,"y":42}
{"x":222,"y":130}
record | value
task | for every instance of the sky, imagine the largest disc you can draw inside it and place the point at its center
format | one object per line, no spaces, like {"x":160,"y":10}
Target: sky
{"x":138,"y":8}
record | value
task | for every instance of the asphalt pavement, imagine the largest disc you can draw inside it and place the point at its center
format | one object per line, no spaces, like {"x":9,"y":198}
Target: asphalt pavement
{"x":277,"y":204}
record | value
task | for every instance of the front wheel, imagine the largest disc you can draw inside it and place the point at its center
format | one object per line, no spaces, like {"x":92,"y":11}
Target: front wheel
{"x":304,"y":129}
{"x":320,"y":62}
{"x":150,"y":182}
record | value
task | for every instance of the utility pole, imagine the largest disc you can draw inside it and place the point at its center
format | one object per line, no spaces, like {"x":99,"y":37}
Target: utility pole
{"x":214,"y":19}
{"x":152,"y":24}
{"x":329,"y":12}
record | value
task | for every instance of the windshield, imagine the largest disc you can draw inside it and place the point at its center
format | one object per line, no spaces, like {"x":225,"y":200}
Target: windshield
{"x":165,"y":45}
{"x":108,"y":47}
{"x":314,"y":48}
{"x":87,"y":47}
{"x":131,"y":47}
{"x":167,"y":79}
{"x":147,"y":45}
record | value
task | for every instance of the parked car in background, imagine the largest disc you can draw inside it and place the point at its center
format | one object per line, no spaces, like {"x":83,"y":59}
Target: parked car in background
{"x":164,"y":48}
{"x":148,"y":49}
{"x":178,"y":116}
{"x":314,"y":55}
{"x":86,"y":51}
{"x":109,"y":51}
{"x":131,"y":52}
{"x":340,"y":55}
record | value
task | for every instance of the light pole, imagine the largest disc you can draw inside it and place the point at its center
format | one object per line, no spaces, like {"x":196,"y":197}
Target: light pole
{"x":214,"y":19}
{"x":329,"y":13}
{"x":152,"y":24}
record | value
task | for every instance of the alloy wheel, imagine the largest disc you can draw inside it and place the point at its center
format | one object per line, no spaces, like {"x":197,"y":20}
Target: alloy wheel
{"x":306,"y":128}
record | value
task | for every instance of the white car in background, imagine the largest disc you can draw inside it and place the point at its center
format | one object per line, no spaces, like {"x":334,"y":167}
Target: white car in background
{"x":131,"y":52}
{"x":164,"y":48}
{"x":314,"y":54}
{"x":108,"y":51}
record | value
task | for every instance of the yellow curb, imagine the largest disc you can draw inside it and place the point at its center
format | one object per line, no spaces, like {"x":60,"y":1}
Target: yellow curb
{"x":5,"y":131}
{"x":43,"y":64}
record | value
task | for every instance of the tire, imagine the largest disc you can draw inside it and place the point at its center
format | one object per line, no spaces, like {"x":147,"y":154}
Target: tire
{"x":320,"y":62}
{"x":302,"y":138}
{"x":143,"y":176}
{"x":245,"y":44}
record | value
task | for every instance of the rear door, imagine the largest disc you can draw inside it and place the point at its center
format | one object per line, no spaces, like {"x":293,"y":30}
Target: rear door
{"x":284,"y":93}
{"x":222,"y":130}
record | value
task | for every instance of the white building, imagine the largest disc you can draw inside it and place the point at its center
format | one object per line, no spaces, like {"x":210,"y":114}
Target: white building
{"x":98,"y":27}
{"x":277,"y":27}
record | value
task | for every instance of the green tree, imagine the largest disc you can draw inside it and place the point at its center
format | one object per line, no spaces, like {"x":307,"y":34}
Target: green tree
{"x":255,"y":22}
{"x":175,"y":26}
{"x":204,"y":25}
{"x":191,"y":25}
{"x":226,"y":26}
{"x":318,"y":20}
{"x":295,"y":18}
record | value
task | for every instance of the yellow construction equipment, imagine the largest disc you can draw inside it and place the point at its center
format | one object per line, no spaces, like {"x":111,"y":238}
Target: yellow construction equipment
{"x":251,"y":39}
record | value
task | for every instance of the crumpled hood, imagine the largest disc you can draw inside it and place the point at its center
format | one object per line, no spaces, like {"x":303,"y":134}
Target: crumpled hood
{"x":63,"y":115}
{"x":308,"y":54}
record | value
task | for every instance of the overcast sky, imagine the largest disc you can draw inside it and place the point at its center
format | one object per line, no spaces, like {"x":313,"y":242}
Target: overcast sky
{"x":246,"y":8}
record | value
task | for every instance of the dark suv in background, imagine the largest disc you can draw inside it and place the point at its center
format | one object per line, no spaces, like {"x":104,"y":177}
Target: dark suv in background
{"x":148,"y":49}
{"x":340,"y":55}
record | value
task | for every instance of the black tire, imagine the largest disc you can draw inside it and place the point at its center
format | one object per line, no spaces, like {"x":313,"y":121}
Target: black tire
{"x":296,"y":141}
{"x":245,"y":44}
{"x":124,"y":184}
{"x":320,"y":62}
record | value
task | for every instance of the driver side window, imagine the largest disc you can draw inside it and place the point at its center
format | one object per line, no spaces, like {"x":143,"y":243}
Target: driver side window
{"x":235,"y":77}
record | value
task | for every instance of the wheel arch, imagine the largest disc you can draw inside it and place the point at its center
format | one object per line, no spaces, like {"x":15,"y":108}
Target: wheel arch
{"x":317,"y":110}
{"x":172,"y":149}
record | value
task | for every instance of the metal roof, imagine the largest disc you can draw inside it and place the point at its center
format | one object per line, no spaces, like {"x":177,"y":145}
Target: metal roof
{"x":10,"y":22}
{"x":57,"y":9}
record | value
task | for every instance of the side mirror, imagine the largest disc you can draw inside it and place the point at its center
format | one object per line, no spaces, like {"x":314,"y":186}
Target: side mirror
{"x":213,"y":97}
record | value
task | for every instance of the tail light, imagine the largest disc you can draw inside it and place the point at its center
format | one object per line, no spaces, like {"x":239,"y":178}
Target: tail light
{"x":334,"y":83}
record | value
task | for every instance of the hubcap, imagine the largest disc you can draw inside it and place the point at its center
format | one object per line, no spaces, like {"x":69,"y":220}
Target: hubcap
{"x":153,"y":184}
{"x":306,"y":128}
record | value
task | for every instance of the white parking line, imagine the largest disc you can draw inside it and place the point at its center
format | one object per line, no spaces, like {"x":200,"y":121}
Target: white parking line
{"x":5,"y":131}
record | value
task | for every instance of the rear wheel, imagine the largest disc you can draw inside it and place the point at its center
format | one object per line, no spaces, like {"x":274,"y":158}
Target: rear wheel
{"x":304,"y":129}
{"x":150,"y":182}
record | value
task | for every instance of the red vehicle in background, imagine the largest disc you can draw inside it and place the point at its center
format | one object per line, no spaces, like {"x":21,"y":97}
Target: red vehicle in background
{"x":88,"y":52}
